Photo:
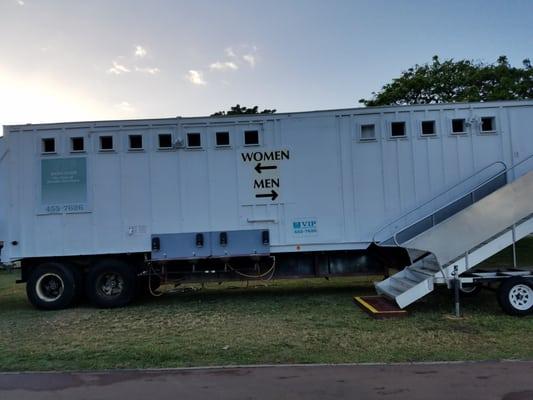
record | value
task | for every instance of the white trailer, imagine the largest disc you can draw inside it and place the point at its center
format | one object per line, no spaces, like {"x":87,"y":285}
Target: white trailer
{"x":103,"y":207}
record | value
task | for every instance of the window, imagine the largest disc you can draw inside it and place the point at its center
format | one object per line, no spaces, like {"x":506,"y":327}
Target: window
{"x":397,"y":129}
{"x":135,"y":142}
{"x":222,"y":138}
{"x":106,"y":143}
{"x":368,"y":132}
{"x":488,"y":124}
{"x":251,"y":138}
{"x":458,"y":125}
{"x":194,"y":140}
{"x":164,"y":141}
{"x":77,"y":144}
{"x":48,"y":145}
{"x":428,"y":128}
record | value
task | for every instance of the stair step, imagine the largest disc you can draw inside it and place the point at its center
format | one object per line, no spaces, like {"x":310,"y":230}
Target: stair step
{"x":409,"y":276}
{"x":424,"y":271}
{"x":416,"y":254}
{"x":430,"y":264}
{"x":401,"y":284}
{"x":389,"y":291}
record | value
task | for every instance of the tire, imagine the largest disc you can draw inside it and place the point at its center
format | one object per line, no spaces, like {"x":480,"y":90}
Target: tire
{"x":110,"y":283}
{"x":470,"y":291}
{"x":515,"y":296}
{"x":51,"y":286}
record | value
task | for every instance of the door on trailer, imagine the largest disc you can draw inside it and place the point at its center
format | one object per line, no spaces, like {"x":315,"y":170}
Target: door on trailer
{"x":521,"y":126}
{"x":260,"y":162}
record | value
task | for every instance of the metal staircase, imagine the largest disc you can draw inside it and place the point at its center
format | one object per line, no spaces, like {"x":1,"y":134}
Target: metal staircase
{"x":456,"y":237}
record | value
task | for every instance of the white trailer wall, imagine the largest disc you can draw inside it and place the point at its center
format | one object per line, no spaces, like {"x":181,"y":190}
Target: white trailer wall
{"x":338,"y":186}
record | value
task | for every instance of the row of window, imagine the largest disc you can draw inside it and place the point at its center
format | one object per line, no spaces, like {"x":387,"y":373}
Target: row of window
{"x":251,"y":137}
{"x":427,"y":128}
{"x":135,"y":141}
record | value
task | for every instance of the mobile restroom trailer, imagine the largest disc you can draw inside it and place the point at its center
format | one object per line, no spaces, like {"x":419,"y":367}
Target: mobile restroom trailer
{"x":113,"y":207}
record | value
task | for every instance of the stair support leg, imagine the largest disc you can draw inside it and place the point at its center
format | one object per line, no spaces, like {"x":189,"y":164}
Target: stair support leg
{"x":515,"y":264}
{"x":456,"y":292}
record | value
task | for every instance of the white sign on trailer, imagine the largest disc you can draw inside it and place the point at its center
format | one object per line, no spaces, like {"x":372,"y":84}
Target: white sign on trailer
{"x":265,"y":183}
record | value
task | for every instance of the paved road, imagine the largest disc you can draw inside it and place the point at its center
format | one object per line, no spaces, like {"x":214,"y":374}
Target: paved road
{"x":494,"y":380}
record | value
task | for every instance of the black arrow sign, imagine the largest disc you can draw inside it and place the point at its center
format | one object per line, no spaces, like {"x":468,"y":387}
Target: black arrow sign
{"x":259,"y":167}
{"x":273,"y":194}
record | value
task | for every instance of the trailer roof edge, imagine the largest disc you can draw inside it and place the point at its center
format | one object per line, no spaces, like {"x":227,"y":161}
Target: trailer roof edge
{"x":252,"y":117}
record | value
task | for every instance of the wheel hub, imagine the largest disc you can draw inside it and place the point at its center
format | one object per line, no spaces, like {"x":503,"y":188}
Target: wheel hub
{"x":111,"y":284}
{"x":521,"y":297}
{"x":49,"y":287}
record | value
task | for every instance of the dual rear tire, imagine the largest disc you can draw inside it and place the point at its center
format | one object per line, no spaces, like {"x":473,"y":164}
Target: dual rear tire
{"x":53,"y":286}
{"x":111,"y":283}
{"x":107,"y":284}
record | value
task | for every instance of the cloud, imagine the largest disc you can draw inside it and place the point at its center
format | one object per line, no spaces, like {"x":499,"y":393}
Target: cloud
{"x":140,"y":51}
{"x":196,"y":77}
{"x":229,"y":52}
{"x":250,"y":59}
{"x":224,"y":66}
{"x":148,"y":70}
{"x":117,"y":69}
{"x":245,"y":52}
{"x":21,"y":2}
{"x":125,"y":107}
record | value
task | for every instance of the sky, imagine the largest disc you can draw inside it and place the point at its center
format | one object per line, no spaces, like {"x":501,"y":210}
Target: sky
{"x":72,"y":60}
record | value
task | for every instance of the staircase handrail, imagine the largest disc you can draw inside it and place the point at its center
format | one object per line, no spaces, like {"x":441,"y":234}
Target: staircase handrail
{"x":439,"y":195}
{"x":505,"y":171}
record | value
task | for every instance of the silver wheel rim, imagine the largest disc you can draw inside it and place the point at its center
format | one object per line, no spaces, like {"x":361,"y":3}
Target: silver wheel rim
{"x":521,"y":297}
{"x":49,"y":287}
{"x":110,"y":284}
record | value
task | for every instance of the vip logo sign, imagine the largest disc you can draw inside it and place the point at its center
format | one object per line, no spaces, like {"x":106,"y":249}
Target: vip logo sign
{"x":305,"y":226}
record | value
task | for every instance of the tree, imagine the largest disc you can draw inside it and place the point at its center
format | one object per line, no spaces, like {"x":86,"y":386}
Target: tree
{"x":238,"y":110}
{"x":452,"y":81}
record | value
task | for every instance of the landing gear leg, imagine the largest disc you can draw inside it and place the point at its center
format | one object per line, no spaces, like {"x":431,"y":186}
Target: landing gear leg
{"x":456,"y":293}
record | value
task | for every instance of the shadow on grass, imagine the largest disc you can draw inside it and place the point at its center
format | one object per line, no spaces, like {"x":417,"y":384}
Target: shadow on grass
{"x":278,"y":292}
{"x":261,"y":293}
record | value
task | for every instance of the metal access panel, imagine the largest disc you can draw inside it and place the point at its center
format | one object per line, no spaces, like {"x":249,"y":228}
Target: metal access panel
{"x":240,"y":243}
{"x":172,"y":246}
{"x":179,"y":246}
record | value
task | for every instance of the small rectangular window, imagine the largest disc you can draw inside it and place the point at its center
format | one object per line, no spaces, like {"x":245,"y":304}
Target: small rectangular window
{"x":428,"y":128}
{"x":135,"y":142}
{"x":397,"y":129}
{"x":488,"y":124}
{"x":458,"y":125}
{"x":194,"y":140}
{"x":106,"y":143}
{"x":222,"y":138}
{"x":77,"y":144}
{"x":251,"y":138}
{"x":48,"y":145}
{"x":368,"y":132}
{"x":164,"y":141}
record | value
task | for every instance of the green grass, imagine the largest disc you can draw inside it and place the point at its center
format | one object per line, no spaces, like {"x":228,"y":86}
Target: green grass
{"x":303,"y":321}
